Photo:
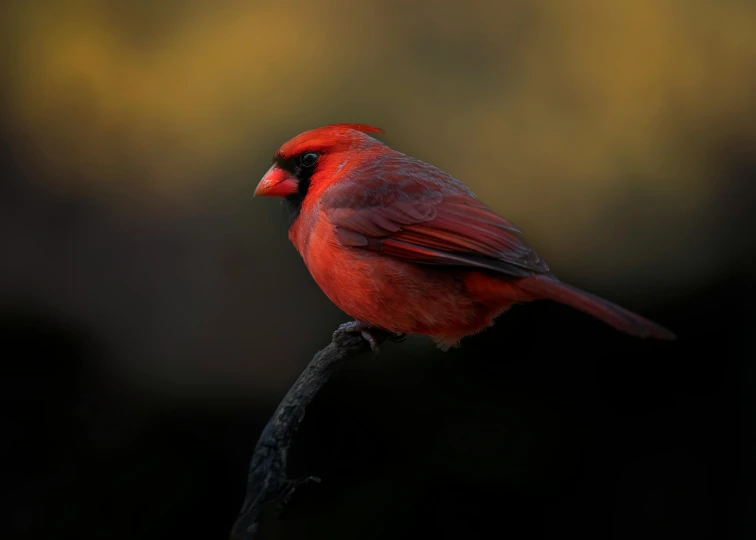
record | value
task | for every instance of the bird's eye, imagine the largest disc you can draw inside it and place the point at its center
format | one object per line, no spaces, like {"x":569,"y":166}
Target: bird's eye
{"x":309,"y":159}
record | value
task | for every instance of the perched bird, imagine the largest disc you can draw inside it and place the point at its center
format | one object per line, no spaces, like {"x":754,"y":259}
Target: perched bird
{"x":405,"y":247}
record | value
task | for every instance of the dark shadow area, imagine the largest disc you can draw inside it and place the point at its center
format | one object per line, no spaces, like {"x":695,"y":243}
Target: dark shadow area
{"x":586,"y":433}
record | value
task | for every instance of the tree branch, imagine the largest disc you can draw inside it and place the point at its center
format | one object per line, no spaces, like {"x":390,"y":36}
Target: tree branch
{"x":267,"y":481}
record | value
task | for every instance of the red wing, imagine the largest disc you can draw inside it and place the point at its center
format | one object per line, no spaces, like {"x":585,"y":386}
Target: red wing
{"x":453,"y":230}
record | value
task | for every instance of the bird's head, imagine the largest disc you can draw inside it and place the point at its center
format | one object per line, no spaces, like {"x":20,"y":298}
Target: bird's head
{"x":312,"y":159}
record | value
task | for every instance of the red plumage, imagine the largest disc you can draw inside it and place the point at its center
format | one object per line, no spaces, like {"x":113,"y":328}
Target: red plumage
{"x":401,"y":245}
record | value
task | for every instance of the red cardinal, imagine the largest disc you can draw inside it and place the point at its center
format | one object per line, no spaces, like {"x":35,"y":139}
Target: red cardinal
{"x":402,"y":246}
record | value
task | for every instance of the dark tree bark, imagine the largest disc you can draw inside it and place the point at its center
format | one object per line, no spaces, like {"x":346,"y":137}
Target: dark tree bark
{"x":267,"y":482}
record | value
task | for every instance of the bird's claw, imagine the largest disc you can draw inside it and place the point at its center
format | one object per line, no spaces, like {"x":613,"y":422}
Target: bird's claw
{"x":397,"y":337}
{"x":363,"y":329}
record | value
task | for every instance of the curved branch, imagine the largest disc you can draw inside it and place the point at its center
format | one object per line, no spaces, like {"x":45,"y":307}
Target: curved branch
{"x":267,"y":481}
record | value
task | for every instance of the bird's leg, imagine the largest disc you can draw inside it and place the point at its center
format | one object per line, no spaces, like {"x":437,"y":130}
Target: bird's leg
{"x":363,"y":329}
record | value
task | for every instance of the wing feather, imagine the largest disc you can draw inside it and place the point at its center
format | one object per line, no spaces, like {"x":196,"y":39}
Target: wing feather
{"x":429,"y":219}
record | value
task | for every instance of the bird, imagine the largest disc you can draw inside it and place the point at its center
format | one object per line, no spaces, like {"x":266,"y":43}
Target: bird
{"x":403,"y":247}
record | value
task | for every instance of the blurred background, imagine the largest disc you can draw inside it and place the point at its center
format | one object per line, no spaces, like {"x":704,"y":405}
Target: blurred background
{"x":153,"y":314}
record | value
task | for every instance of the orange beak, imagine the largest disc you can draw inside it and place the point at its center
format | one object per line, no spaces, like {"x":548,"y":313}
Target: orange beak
{"x":276,"y":183}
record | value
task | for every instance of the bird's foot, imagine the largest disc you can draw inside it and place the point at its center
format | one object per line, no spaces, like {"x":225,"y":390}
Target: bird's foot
{"x":397,"y":337}
{"x":363,"y":329}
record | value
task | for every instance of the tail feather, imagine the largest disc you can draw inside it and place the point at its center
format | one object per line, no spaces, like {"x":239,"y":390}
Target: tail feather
{"x":616,"y":316}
